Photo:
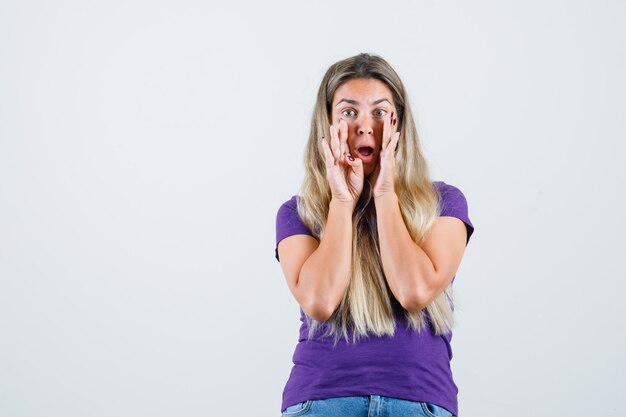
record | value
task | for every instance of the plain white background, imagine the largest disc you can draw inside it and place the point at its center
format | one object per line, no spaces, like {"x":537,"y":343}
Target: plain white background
{"x":145,"y":147}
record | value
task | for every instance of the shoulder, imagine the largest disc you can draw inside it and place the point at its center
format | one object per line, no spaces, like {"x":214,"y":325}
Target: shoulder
{"x":289,"y":205}
{"x":452,"y":202}
{"x":450,"y":197}
{"x":288,"y":213}
{"x":288,"y":222}
{"x":447,"y":190}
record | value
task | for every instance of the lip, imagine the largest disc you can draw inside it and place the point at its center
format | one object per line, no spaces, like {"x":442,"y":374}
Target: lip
{"x":365,"y":158}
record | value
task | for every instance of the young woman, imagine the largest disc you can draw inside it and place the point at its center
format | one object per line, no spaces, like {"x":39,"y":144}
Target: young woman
{"x":369,"y":250}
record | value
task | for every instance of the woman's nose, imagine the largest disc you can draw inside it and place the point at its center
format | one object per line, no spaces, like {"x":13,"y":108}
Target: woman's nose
{"x":364,"y":126}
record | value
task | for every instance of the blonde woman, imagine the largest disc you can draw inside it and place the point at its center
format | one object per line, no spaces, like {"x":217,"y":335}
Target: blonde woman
{"x":369,"y":250}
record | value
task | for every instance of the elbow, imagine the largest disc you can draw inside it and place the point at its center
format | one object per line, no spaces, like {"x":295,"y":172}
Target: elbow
{"x":317,"y":309}
{"x":320,"y":316}
{"x":416,"y":300}
{"x":319,"y":302}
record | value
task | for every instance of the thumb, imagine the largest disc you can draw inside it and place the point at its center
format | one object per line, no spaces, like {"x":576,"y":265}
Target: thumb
{"x":356,"y":164}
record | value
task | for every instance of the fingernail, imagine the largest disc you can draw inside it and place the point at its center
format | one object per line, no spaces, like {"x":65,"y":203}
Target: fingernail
{"x":350,"y":158}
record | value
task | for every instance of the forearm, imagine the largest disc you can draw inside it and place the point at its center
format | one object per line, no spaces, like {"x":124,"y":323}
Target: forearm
{"x":407,"y":267}
{"x":326,"y":273}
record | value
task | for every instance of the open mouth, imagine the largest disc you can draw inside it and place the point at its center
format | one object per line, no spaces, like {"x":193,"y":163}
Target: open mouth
{"x":365,"y":150}
{"x":365,"y":154}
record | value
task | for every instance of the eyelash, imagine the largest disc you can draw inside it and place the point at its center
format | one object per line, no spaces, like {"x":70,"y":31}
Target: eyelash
{"x":375,"y":111}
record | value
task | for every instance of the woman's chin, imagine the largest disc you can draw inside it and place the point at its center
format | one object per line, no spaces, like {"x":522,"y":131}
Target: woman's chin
{"x":368,"y":169}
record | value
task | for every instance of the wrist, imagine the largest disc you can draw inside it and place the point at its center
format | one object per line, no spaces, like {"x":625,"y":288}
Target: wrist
{"x":385,"y":202}
{"x":387,"y":199}
{"x":343,"y":205}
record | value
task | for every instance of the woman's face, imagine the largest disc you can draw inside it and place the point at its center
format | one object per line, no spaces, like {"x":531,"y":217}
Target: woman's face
{"x":364,"y":104}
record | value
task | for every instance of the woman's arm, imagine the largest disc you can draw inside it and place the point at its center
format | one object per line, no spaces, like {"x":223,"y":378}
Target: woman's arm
{"x":417,"y":274}
{"x":318,"y":273}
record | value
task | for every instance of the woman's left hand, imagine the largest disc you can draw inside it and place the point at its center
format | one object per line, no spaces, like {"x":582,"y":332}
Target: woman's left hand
{"x":383,"y":178}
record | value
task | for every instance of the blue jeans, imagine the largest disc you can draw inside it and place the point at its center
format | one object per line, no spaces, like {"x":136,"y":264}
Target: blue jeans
{"x":365,"y":406}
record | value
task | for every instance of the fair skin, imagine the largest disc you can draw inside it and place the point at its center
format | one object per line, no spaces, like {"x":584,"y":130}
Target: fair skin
{"x":363,"y":139}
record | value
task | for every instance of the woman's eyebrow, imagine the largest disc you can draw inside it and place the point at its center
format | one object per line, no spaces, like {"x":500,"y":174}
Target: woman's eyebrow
{"x":380,"y":100}
{"x":356,"y":103}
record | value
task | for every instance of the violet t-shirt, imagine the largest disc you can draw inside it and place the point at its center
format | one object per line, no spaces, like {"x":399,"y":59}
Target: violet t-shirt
{"x":409,"y":365}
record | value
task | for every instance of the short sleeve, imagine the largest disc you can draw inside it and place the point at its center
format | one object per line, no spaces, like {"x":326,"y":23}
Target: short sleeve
{"x":288,"y":222}
{"x":454,"y":204}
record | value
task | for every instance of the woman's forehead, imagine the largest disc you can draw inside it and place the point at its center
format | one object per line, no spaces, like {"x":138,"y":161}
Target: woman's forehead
{"x":363,"y":91}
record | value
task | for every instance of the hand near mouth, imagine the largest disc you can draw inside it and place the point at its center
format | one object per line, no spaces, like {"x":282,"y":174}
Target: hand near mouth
{"x":383,"y":178}
{"x":343,"y":171}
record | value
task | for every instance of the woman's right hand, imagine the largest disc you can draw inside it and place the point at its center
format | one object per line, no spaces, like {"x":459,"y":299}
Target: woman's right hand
{"x":344,"y":173}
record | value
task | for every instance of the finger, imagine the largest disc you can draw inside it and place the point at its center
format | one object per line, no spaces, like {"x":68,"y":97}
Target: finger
{"x":356,"y":177}
{"x":390,"y":151}
{"x":334,"y":144}
{"x":343,"y":136}
{"x":328,"y":155}
{"x":387,"y":131}
{"x":395,"y":140}
{"x":386,"y":128}
{"x":356,"y":164}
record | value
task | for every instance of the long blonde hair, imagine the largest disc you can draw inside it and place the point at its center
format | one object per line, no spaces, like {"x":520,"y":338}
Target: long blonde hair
{"x":366,"y":307}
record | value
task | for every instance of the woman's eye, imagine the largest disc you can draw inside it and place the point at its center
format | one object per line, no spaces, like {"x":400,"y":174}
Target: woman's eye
{"x":348,"y":113}
{"x":380,"y":112}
